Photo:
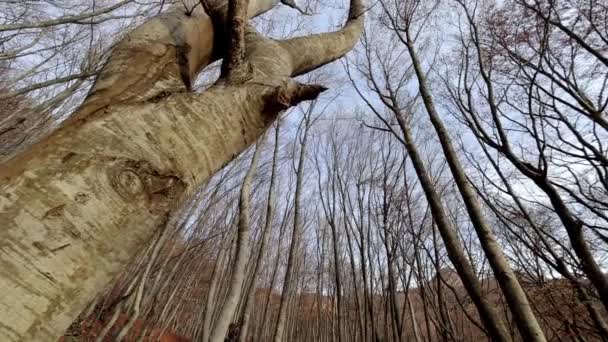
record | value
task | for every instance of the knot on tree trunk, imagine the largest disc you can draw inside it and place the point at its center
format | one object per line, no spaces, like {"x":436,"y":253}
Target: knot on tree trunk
{"x":133,"y":179}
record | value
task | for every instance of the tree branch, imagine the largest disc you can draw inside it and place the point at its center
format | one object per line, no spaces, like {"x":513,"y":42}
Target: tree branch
{"x":311,"y":52}
{"x":72,"y":19}
{"x":234,"y":67}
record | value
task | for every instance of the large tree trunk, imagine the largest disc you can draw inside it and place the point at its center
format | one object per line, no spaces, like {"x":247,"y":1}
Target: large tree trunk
{"x":78,"y":206}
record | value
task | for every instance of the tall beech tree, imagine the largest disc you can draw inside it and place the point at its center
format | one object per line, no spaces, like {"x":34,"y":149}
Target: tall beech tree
{"x":77,"y":206}
{"x":404,"y":23}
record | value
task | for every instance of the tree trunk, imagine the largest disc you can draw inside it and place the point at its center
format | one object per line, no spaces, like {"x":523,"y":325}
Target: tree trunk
{"x":514,"y":294}
{"x":292,"y":260}
{"x":251,"y":290}
{"x":489,"y":316}
{"x":212,"y":292}
{"x":218,"y":332}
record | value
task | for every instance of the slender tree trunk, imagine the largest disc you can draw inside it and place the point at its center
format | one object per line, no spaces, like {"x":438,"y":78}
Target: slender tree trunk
{"x":443,"y":314}
{"x":251,"y":291}
{"x":417,"y":337}
{"x":338,"y":285}
{"x":218,"y":332}
{"x":574,"y":227}
{"x":488,"y":315}
{"x":515,"y":295}
{"x":158,"y":244}
{"x":288,"y":283}
{"x":273,"y":276}
{"x":117,"y":311}
{"x":559,"y":265}
{"x":212,"y":292}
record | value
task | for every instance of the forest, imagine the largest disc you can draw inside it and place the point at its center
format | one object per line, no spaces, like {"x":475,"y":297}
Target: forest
{"x":303,"y":170}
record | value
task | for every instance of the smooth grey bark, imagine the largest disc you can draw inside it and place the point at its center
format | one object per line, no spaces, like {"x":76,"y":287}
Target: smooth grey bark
{"x":239,"y":268}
